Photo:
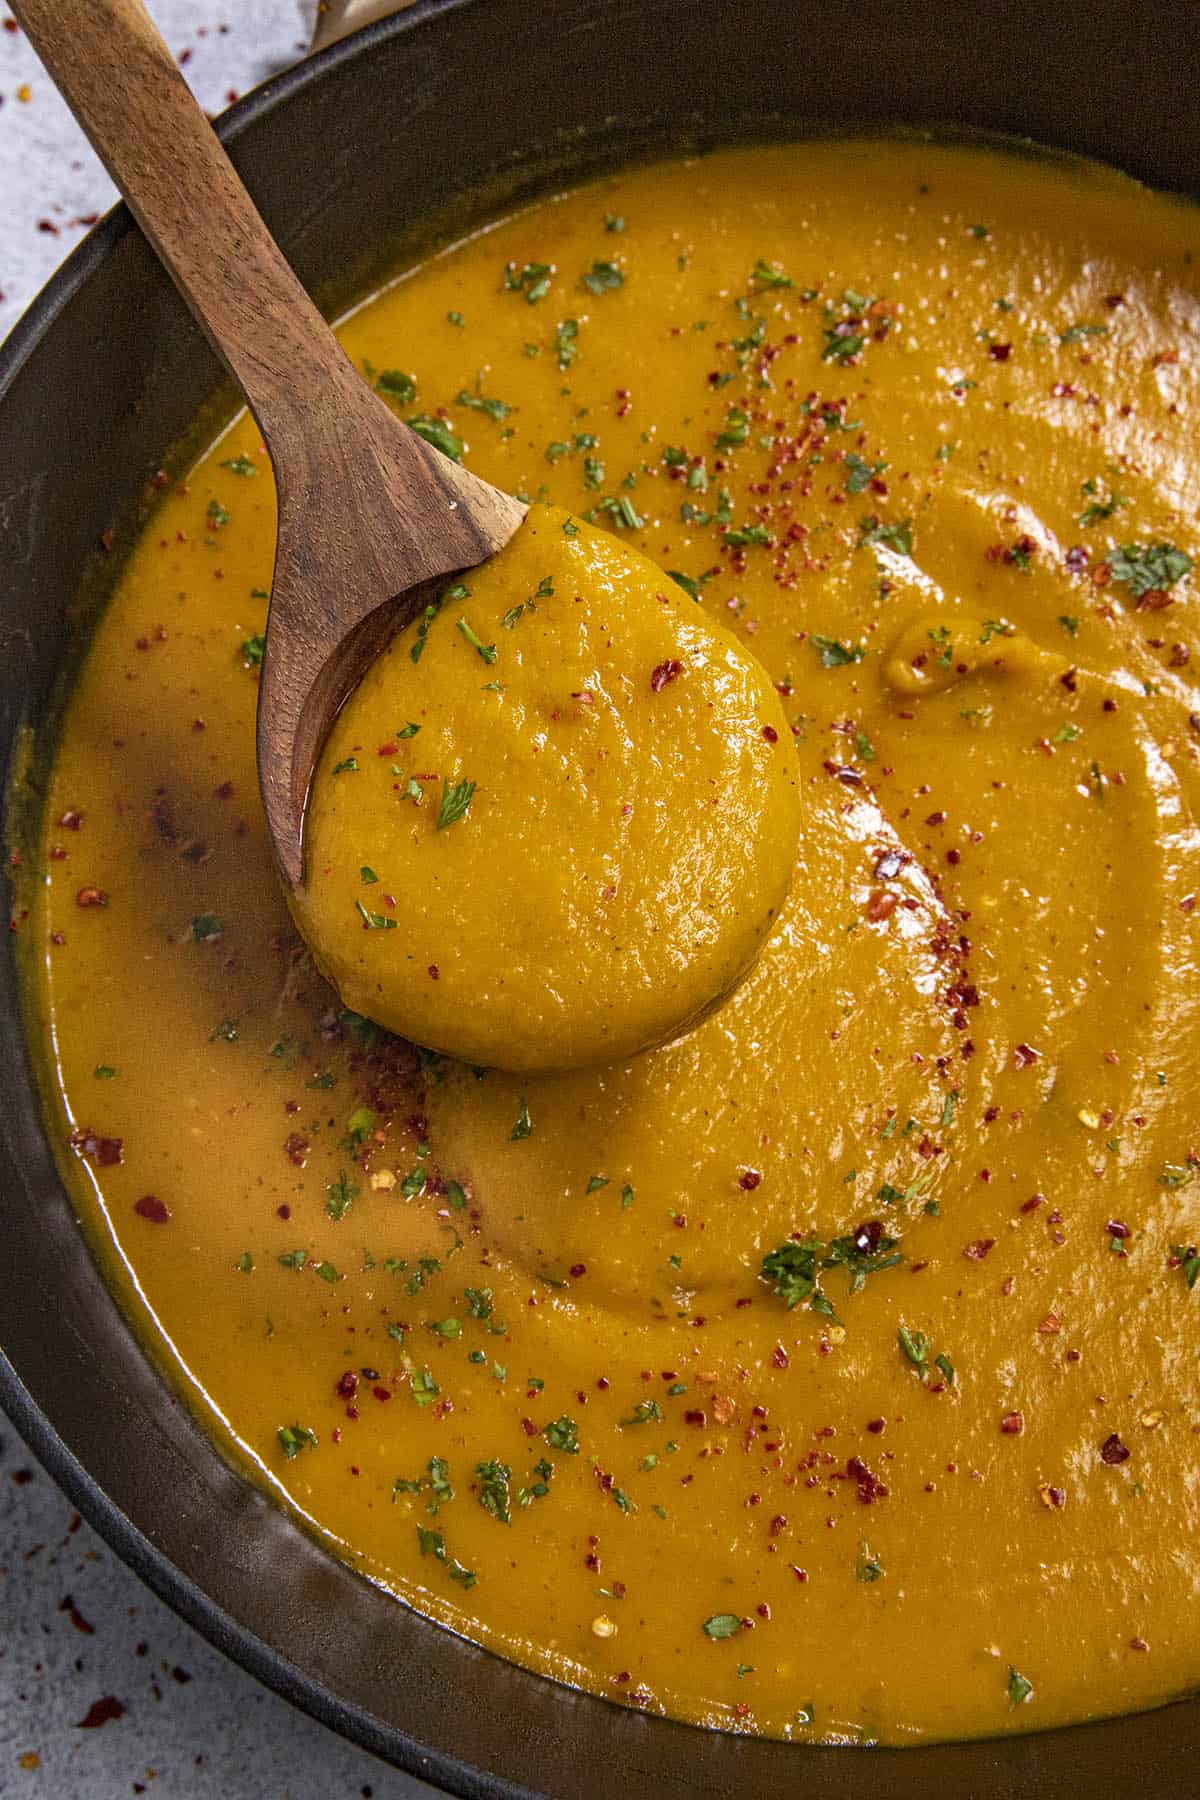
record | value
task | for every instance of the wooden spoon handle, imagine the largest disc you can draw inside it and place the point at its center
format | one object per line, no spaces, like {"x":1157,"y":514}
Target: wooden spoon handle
{"x":122,"y":84}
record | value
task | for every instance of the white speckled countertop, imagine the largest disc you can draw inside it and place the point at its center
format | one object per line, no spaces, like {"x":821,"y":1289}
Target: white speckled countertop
{"x":103,"y":1691}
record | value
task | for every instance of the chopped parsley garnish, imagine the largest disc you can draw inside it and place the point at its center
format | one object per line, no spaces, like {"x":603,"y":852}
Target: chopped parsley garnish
{"x":1075,"y":334}
{"x":613,"y":222}
{"x":217,"y":515}
{"x":562,"y":1434}
{"x":1187,"y":1258}
{"x":524,"y":1124}
{"x":1019,"y":1687}
{"x":916,"y":1347}
{"x":596,"y":1182}
{"x":486,"y":651}
{"x":722,"y":1625}
{"x":494,"y":1478}
{"x":566,"y":334}
{"x":690,"y":587}
{"x":643,"y":1413}
{"x":479,"y":1302}
{"x":868,"y":1567}
{"x":747,"y":534}
{"x":495,"y":409}
{"x":833,"y":653}
{"x":240,"y":465}
{"x":532,"y":280}
{"x":207,"y":927}
{"x":339,"y":1196}
{"x":106,"y":1072}
{"x":437,"y":433}
{"x":769,"y":275}
{"x":397,"y":385}
{"x":373,"y":921}
{"x":456,"y":798}
{"x":1099,"y":506}
{"x":795,"y":1269}
{"x":457,"y":592}
{"x":735,"y":430}
{"x":295,"y":1438}
{"x":346,"y":766}
{"x":1148,"y":568}
{"x":621,"y":511}
{"x":861,"y":474}
{"x":434,"y":1544}
{"x":367,"y":875}
{"x":245,"y":1263}
{"x":602,"y":277}
{"x":897,"y":537}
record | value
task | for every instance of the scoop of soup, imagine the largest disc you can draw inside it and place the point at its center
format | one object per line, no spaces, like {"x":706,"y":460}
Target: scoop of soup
{"x":555,"y":821}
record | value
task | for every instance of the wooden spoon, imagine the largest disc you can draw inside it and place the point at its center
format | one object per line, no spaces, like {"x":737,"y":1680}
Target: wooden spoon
{"x":371,"y":518}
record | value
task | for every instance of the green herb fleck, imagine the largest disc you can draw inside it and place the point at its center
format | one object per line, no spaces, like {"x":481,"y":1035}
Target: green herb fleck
{"x":456,"y":799}
{"x":295,"y":1438}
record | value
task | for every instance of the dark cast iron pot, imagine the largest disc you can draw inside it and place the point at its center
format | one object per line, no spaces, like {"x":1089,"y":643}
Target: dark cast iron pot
{"x":346,"y":156}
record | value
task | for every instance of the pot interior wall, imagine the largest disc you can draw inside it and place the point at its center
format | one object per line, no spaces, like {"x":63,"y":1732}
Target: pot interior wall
{"x":348,"y":157}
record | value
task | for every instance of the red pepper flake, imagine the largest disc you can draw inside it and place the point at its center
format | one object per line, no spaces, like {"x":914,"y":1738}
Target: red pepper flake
{"x":770,"y":734}
{"x":1023,"y":1055}
{"x":91,"y":896}
{"x":1138,"y":1643}
{"x":1116,"y":1228}
{"x":999,"y":352}
{"x":695,"y":1416}
{"x":748,"y":1180}
{"x":104,"y":1152}
{"x":100,"y":1712}
{"x":881,"y":904}
{"x":578,"y":1269}
{"x":295,"y":1148}
{"x":1012,"y":1424}
{"x":68,"y":1606}
{"x":71,"y":820}
{"x":346,"y":1385}
{"x":979,"y":1249}
{"x":1113,"y":1451}
{"x":1053,"y":1497}
{"x":1051,"y":1325}
{"x":381,"y":1393}
{"x":666,"y":671}
{"x":152,"y":1208}
{"x":867,"y":1484}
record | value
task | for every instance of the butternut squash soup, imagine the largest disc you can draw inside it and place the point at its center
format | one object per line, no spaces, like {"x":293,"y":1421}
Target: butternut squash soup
{"x":830,"y":1371}
{"x":623,"y":770}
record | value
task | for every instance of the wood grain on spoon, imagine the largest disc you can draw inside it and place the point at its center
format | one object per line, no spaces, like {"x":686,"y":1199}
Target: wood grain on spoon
{"x":369,"y":514}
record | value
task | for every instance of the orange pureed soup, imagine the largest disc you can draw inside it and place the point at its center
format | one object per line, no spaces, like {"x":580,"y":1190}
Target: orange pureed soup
{"x":830,"y":1372}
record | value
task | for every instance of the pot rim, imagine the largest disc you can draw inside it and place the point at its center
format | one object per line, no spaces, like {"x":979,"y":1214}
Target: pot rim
{"x":1001,"y":1759}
